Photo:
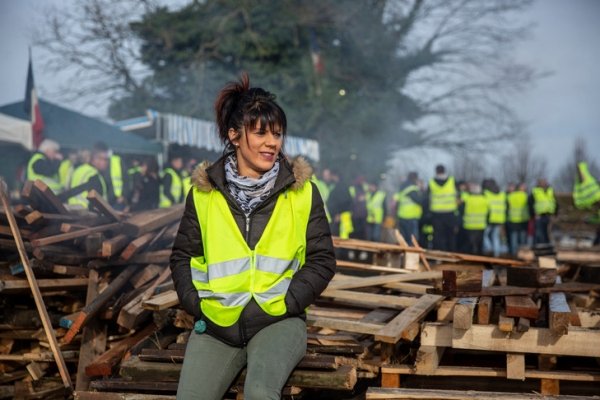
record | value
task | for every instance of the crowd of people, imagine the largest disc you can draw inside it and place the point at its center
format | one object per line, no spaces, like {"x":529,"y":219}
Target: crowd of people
{"x":450,"y":215}
{"x":445,"y":214}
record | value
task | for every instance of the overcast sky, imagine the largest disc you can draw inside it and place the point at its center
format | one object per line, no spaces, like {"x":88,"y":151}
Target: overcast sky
{"x":560,"y":108}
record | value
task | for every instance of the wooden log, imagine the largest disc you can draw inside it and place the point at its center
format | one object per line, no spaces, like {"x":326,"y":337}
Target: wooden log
{"x":392,"y":332}
{"x":94,"y":307}
{"x":521,"y":306}
{"x":37,"y":295}
{"x":531,"y":276}
{"x":74,"y":235}
{"x":104,"y":364}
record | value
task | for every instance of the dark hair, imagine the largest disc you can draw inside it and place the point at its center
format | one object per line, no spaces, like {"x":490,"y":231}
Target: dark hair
{"x":239,"y":106}
{"x":440,"y":169}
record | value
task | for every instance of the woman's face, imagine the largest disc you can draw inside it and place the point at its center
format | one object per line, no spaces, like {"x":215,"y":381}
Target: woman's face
{"x":256,"y":151}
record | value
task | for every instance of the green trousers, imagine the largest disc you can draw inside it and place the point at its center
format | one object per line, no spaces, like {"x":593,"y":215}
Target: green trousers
{"x":210,"y":366}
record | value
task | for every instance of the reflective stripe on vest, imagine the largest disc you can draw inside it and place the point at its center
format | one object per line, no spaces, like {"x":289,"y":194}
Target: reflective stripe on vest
{"x":476,"y":210}
{"x":544,"y":201}
{"x":176,"y":188}
{"x":497,"y":205}
{"x":586,"y":192}
{"x":52,"y":181}
{"x":230,"y":273}
{"x":443,"y":198}
{"x":116,"y":175}
{"x":407,"y":208}
{"x":375,"y":207}
{"x":81,"y":175}
{"x":518,"y":210}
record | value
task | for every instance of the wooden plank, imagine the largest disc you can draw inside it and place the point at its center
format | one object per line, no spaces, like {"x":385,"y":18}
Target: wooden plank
{"x":505,"y":324}
{"x":548,"y":386}
{"x":588,"y":318}
{"x":579,"y":342}
{"x":515,"y":366}
{"x":521,"y":306}
{"x":99,"y":203}
{"x":353,"y":283}
{"x":463,"y":312}
{"x":83,"y":395}
{"x":93,"y":341}
{"x":37,"y":295}
{"x":367,"y":267}
{"x":95,"y":306}
{"x":371,"y":299}
{"x":392,"y":332}
{"x":49,"y":197}
{"x":484,"y":310}
{"x":531,"y":276}
{"x":104,"y":364}
{"x":374,"y":393}
{"x":461,"y":281}
{"x":114,"y":245}
{"x":21,"y":285}
{"x":358,"y":244}
{"x":559,"y":312}
{"x":367,"y":328}
{"x":74,"y":235}
{"x":523,"y":324}
{"x":428,"y":359}
{"x":137,"y":245}
{"x":495,"y":291}
{"x":148,"y":221}
{"x":445,"y":311}
{"x":162,"y":301}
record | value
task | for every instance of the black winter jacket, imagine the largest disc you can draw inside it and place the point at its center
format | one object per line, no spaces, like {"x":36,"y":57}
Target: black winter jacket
{"x":306,"y":285}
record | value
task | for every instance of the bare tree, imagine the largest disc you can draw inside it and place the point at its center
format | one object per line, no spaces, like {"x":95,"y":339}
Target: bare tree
{"x":521,"y":163}
{"x":565,"y":178}
{"x":469,"y":167}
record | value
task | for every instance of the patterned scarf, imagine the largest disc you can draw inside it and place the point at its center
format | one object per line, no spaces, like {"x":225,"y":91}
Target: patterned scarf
{"x":249,"y":192}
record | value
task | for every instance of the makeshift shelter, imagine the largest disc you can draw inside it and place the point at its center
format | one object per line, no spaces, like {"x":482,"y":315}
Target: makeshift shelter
{"x":73,"y":130}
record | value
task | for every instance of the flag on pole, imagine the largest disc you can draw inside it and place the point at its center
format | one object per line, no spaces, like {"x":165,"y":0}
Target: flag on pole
{"x":32,"y":107}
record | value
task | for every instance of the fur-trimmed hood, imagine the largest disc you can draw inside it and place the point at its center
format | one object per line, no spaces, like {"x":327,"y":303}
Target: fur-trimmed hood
{"x":299,"y":167}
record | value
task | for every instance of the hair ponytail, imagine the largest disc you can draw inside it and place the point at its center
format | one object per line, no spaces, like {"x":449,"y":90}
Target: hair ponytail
{"x":239,"y":106}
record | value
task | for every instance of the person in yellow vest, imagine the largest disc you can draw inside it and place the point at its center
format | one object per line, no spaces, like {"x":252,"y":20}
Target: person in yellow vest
{"x":171,"y":191}
{"x":325,"y":185}
{"x":517,"y":217}
{"x":44,"y":165}
{"x":88,"y":176}
{"x":443,"y":208}
{"x":586,"y":193}
{"x":253,"y":251}
{"x":543,"y":206}
{"x":497,"y":217}
{"x":117,"y":182}
{"x":375,"y":211}
{"x":186,"y":175}
{"x":66,"y":168}
{"x":409,"y":206}
{"x":145,"y":186}
{"x":474,"y":212}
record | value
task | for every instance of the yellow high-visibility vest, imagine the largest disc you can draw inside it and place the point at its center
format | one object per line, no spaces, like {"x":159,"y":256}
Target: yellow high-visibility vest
{"x":176,"y":189}
{"x":476,"y":211}
{"x":230,"y":274}
{"x":543,"y":201}
{"x":53,"y":182}
{"x":65,"y":172}
{"x":497,"y":205}
{"x":375,"y":207}
{"x":81,"y":175}
{"x":586,"y":192}
{"x":518,"y":210}
{"x":116,"y":175}
{"x":443,"y":198}
{"x":324,"y":190}
{"x":407,"y":208}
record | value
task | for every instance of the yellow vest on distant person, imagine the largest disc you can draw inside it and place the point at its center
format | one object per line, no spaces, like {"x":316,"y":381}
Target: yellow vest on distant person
{"x":53,"y":182}
{"x":518,"y":210}
{"x":407,"y":208}
{"x":476,"y":212}
{"x":81,"y":175}
{"x":443,"y":198}
{"x":543,"y":201}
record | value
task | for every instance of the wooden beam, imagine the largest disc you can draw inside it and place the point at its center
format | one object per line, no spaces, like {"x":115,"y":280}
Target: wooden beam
{"x":392,"y":332}
{"x":99,"y":203}
{"x":114,"y":245}
{"x":74,"y":235}
{"x":148,"y":221}
{"x":374,"y":393}
{"x":370,"y":299}
{"x":515,"y":366}
{"x":521,"y":306}
{"x":21,"y":285}
{"x":484,"y":310}
{"x":559,"y":312}
{"x":531,"y":276}
{"x":352,"y":283}
{"x":367,"y":328}
{"x":428,"y":359}
{"x":463,"y":312}
{"x":161,"y":301}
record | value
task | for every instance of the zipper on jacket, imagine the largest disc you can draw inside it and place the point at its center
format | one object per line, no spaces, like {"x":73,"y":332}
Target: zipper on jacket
{"x":247,"y":228}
